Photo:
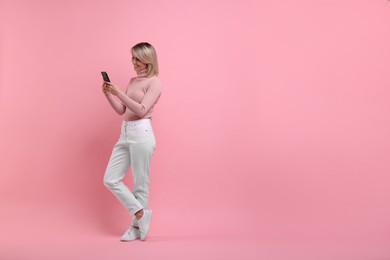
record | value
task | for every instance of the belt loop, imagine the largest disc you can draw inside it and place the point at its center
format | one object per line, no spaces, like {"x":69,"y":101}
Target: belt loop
{"x":126,"y":129}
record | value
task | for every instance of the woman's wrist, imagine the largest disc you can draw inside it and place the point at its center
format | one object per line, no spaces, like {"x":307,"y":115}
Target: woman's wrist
{"x":120,"y":94}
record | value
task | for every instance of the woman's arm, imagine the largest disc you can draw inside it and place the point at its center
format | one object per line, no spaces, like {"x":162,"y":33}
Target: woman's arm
{"x":117,"y":106}
{"x":140,"y":109}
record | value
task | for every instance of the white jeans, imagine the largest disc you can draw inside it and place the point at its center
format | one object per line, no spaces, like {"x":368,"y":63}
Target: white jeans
{"x":134,"y":149}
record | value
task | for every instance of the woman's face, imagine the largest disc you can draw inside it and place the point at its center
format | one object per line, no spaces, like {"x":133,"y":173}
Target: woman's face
{"x":138,"y":65}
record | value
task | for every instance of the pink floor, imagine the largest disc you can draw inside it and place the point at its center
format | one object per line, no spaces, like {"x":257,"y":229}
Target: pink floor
{"x":24,"y":245}
{"x":28,"y":234}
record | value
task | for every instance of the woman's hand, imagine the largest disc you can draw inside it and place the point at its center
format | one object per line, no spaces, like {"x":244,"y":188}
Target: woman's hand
{"x":104,"y":88}
{"x":108,"y":87}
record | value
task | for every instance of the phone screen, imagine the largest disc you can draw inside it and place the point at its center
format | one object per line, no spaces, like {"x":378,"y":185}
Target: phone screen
{"x":105,"y":76}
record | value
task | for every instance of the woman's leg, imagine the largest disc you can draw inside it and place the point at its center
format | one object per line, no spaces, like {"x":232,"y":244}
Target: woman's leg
{"x":141,"y":156}
{"x":116,"y":170}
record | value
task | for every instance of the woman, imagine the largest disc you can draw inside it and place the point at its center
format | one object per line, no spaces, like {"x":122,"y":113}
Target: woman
{"x":136,"y":143}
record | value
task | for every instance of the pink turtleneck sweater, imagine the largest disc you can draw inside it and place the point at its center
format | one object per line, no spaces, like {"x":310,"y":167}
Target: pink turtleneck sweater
{"x":141,"y":94}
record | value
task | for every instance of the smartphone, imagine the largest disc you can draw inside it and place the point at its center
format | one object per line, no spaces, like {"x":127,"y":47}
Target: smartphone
{"x":105,"y":76}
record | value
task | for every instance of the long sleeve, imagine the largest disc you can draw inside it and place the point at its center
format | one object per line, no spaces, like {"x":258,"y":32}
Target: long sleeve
{"x":117,"y":106}
{"x":150,"y":98}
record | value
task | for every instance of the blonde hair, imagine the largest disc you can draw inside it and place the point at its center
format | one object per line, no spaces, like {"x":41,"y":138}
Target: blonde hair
{"x":146,"y":53}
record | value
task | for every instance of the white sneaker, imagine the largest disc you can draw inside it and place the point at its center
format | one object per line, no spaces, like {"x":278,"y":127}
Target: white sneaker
{"x":144,"y":224}
{"x":131,"y":234}
{"x":134,"y":222}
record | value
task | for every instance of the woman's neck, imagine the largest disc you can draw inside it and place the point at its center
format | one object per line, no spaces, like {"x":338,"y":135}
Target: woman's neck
{"x":142,"y":73}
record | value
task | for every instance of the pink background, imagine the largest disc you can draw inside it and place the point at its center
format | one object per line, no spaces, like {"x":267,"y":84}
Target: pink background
{"x":272,"y":130}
